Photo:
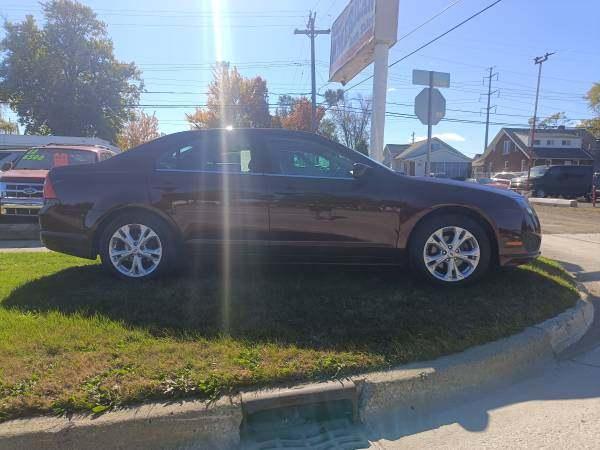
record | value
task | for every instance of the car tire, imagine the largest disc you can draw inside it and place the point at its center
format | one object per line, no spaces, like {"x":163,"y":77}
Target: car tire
{"x":540,"y":193}
{"x":138,"y":245}
{"x":441,"y":263}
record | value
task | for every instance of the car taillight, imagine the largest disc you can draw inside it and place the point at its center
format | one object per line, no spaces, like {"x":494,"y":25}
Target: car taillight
{"x":49,"y":192}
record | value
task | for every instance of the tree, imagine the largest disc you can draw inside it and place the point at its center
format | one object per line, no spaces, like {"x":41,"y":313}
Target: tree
{"x":233,"y":100}
{"x":552,"y":121}
{"x":299,"y":116}
{"x":351,"y":119}
{"x":593,"y":98}
{"x":63,"y":78}
{"x":141,"y":128}
{"x":7,"y":127}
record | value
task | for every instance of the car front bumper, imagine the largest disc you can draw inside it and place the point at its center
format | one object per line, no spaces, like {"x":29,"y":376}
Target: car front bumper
{"x":20,"y":207}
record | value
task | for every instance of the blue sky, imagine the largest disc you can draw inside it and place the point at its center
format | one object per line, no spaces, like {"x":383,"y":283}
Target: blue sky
{"x":175,"y":43}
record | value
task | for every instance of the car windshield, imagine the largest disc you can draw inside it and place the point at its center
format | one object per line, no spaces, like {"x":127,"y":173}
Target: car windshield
{"x":47,"y":158}
{"x":538,"y":171}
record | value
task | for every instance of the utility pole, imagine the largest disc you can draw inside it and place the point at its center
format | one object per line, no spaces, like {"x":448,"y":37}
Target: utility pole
{"x":488,"y":108}
{"x":539,"y":60}
{"x":413,"y":137}
{"x":312,"y":34}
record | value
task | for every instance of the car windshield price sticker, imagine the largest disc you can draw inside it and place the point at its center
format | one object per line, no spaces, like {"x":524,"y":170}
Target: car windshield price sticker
{"x":33,"y":155}
{"x":60,"y":159}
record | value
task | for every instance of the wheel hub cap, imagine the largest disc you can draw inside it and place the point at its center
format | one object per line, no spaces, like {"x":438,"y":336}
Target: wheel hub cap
{"x":135,"y":250}
{"x":451,"y":254}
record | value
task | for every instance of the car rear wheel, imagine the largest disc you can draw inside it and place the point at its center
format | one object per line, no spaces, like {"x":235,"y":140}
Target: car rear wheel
{"x":540,"y":193}
{"x":450,"y":250}
{"x":137,"y":246}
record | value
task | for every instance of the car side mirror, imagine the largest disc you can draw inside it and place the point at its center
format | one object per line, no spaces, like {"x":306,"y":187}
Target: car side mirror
{"x":359,"y":170}
{"x":7,"y":166}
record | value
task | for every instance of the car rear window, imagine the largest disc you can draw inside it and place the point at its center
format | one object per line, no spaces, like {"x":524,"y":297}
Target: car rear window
{"x":47,"y":158}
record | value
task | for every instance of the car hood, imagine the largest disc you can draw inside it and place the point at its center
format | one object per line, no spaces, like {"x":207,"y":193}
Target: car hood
{"x":467,"y":186}
{"x":23,"y":175}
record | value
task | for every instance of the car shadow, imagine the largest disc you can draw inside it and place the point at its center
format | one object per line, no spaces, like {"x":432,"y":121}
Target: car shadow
{"x":374,"y":309}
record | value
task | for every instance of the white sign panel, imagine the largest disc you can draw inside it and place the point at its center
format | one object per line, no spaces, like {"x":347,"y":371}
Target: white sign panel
{"x":440,"y":79}
{"x":355,"y":32}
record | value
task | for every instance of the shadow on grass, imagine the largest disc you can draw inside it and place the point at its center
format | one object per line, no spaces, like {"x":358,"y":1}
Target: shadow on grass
{"x":374,"y":309}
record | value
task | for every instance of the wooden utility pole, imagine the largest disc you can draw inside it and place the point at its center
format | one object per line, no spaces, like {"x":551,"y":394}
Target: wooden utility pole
{"x":488,"y":108}
{"x":539,"y":60}
{"x":312,"y":34}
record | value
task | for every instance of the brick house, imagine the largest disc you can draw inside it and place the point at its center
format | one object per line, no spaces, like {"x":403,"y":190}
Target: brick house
{"x":510,"y":150}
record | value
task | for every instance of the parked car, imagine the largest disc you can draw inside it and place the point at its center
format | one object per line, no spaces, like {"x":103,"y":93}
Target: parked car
{"x":291,"y":196}
{"x":507,"y":175}
{"x":565,"y":181}
{"x":499,"y":184}
{"x":22,"y":180}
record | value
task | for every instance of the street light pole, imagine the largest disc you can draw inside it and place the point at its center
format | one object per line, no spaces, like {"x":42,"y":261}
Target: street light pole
{"x":539,"y":60}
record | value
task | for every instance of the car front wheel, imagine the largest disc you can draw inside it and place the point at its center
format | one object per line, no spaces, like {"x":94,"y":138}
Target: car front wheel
{"x":136,"y":246}
{"x":450,"y":250}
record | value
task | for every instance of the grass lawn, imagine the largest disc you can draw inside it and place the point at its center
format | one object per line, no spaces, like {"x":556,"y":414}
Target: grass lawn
{"x":74,"y":339}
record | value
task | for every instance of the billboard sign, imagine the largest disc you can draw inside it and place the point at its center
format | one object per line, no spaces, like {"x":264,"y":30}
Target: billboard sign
{"x":354,"y":34}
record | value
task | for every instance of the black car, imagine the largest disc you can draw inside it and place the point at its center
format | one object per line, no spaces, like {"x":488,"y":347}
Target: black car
{"x":291,"y":196}
{"x":565,"y":181}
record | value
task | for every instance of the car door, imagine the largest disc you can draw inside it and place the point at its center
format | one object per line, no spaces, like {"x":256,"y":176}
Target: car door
{"x":215,"y":190}
{"x":317,"y":206}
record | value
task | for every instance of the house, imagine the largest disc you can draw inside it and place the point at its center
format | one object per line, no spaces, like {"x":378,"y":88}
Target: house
{"x":510,"y":150}
{"x":390,"y":151}
{"x":411,"y":158}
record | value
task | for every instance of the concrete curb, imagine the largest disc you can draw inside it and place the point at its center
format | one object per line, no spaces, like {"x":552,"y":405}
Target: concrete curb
{"x":398,"y":394}
{"x":554,"y":202}
{"x":407,"y":391}
{"x":153,"y":426}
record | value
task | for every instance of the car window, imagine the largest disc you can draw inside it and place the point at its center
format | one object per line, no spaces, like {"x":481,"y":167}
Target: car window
{"x":300,"y":157}
{"x":47,"y":158}
{"x":228,"y":154}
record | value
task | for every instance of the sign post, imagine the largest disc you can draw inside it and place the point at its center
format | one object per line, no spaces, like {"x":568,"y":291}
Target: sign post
{"x":363,"y":33}
{"x":430,"y":104}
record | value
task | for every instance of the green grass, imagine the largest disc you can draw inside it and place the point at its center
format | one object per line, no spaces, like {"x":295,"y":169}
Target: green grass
{"x":74,"y":339}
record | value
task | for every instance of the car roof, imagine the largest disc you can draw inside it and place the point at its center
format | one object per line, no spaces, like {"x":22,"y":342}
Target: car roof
{"x":84,"y":147}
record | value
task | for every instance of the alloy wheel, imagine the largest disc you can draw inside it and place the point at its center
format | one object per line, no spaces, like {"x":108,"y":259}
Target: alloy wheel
{"x":135,"y":250}
{"x":451,"y":254}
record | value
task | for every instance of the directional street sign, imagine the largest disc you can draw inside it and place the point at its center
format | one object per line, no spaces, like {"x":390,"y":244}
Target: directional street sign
{"x":426,"y":78}
{"x":438,"y":106}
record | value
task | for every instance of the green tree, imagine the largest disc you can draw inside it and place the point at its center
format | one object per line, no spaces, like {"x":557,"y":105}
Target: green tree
{"x":63,"y":78}
{"x":593,"y":98}
{"x":233,"y":100}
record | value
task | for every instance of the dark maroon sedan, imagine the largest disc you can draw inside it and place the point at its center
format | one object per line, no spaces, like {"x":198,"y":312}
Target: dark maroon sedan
{"x":290,"y":196}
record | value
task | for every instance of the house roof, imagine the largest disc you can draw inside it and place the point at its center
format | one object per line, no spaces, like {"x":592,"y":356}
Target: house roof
{"x":396,"y":149}
{"x":419,"y":148}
